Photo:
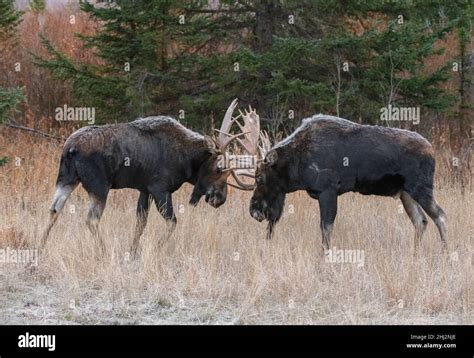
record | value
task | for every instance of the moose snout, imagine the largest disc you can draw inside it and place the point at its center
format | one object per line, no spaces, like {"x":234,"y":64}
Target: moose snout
{"x":256,"y":210}
{"x":257,"y":215}
{"x":215,"y":198}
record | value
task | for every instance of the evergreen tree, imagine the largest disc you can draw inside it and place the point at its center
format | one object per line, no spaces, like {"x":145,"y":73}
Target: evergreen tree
{"x":10,"y":17}
{"x":344,"y":58}
{"x":9,"y":101}
{"x":330,"y":56}
{"x":146,"y":49}
{"x":303,"y":57}
{"x":37,"y":6}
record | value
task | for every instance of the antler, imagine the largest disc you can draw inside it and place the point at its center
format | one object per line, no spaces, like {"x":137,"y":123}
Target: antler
{"x":248,"y":139}
{"x":240,"y":184}
{"x":225,"y":138}
{"x":264,"y":148}
{"x":252,"y":127}
{"x":266,"y":144}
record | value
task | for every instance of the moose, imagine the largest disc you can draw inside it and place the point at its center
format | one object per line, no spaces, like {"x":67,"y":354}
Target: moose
{"x":154,"y":155}
{"x":328,"y":156}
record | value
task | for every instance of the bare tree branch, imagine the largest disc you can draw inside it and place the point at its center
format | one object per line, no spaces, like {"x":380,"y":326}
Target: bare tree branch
{"x":217,"y":11}
{"x":17,"y":126}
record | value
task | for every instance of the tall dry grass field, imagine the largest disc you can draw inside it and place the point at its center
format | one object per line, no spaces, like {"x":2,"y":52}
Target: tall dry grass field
{"x":217,"y":267}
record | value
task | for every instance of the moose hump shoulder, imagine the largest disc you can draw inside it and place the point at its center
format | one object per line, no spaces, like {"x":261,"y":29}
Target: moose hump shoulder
{"x":164,"y":123}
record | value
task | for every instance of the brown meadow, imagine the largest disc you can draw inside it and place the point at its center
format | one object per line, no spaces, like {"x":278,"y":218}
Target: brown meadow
{"x":217,"y":268}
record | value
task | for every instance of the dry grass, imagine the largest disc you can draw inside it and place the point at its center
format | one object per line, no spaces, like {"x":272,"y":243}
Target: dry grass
{"x":217,"y":267}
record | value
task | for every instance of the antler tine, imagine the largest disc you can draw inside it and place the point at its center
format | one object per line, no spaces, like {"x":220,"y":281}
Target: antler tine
{"x":241,"y":185}
{"x":252,"y":125}
{"x":245,"y":172}
{"x":224,"y":132}
{"x":235,"y":120}
{"x":266,"y":144}
{"x":230,"y":137}
{"x":245,"y":145}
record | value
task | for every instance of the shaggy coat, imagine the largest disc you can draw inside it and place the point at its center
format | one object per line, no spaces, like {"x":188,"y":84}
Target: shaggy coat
{"x":329,"y":156}
{"x":154,"y":155}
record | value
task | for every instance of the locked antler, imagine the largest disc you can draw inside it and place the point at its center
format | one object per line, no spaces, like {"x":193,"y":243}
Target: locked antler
{"x":248,"y":139}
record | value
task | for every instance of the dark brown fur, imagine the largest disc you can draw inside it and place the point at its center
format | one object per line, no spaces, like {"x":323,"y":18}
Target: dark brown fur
{"x":329,"y":156}
{"x":155,"y":155}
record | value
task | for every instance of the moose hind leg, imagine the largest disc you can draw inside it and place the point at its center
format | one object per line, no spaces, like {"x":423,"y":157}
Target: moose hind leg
{"x":416,"y":215}
{"x":143,"y":208}
{"x":96,"y":209}
{"x":435,"y":212}
{"x":60,"y":196}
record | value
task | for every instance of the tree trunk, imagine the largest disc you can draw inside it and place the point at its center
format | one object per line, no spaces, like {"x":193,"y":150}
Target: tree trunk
{"x":266,"y":15}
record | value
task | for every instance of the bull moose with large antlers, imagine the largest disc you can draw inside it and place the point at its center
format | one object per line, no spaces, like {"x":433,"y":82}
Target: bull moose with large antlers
{"x":329,"y":156}
{"x":154,"y":155}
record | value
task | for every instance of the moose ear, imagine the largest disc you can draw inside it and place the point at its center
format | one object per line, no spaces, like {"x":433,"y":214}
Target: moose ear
{"x":211,"y":145}
{"x":271,"y":158}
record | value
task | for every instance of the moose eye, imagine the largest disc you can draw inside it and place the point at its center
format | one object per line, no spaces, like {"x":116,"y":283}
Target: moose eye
{"x":259,"y":179}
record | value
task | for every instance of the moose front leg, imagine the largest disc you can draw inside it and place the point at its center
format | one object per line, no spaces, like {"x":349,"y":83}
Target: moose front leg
{"x":164,"y":205}
{"x":328,"y":212}
{"x":97,"y":203}
{"x":143,"y":207}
